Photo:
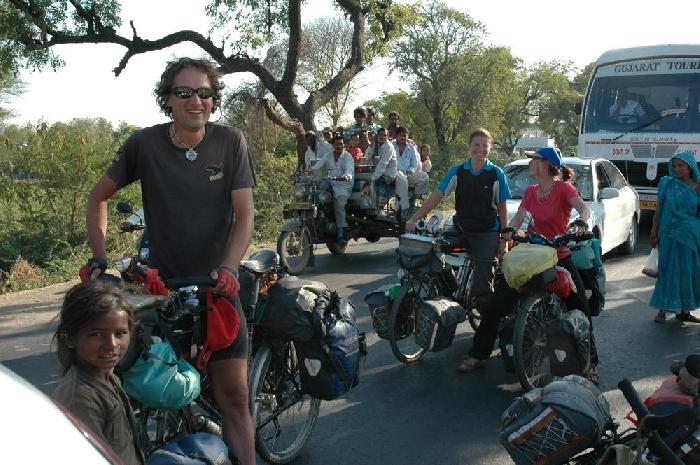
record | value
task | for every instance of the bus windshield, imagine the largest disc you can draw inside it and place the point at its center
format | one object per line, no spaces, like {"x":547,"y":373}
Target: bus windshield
{"x":653,"y":103}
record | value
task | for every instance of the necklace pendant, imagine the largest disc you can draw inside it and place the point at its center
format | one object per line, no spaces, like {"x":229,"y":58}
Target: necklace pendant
{"x":191,"y":154}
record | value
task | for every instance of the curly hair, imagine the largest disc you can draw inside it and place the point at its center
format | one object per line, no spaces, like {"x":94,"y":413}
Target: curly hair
{"x":83,"y":304}
{"x":164,"y":86}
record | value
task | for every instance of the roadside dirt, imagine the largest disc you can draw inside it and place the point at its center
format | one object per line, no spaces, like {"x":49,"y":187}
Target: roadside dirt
{"x":31,"y":307}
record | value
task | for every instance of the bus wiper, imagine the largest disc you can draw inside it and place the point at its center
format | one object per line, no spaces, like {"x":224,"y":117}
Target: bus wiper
{"x":662,"y":115}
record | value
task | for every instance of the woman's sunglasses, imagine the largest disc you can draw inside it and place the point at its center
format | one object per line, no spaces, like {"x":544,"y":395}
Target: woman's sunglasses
{"x":184,"y":92}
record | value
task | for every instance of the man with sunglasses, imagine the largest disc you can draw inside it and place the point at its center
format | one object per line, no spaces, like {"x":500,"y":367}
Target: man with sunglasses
{"x":196,"y":185}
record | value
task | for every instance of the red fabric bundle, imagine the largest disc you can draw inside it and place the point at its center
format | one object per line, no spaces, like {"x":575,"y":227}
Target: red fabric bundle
{"x":223,"y":324}
{"x":561,"y":285}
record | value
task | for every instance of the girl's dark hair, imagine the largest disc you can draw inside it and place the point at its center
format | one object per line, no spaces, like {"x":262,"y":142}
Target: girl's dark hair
{"x":481,"y":132}
{"x":83,"y":304}
{"x":165,"y":85}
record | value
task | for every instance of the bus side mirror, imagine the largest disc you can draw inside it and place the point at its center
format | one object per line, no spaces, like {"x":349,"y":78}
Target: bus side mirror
{"x":577,"y":108}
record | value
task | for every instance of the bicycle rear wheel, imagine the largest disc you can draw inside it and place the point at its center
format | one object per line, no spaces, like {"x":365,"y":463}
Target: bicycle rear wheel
{"x":283,"y":416}
{"x":530,"y":356}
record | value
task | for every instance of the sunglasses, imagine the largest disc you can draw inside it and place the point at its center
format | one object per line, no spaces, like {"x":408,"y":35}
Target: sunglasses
{"x":184,"y":92}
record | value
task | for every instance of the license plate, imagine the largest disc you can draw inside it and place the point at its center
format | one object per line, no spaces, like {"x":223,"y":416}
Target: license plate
{"x":647,"y":204}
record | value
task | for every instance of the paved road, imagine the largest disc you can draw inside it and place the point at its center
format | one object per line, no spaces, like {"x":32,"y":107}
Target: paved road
{"x":425,"y":413}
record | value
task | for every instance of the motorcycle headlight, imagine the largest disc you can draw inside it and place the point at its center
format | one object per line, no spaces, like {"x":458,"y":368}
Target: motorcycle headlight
{"x":325,"y":197}
{"x":299,"y":192}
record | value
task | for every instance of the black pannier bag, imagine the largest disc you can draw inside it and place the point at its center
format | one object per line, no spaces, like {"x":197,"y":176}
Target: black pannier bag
{"x":505,"y":342}
{"x":569,"y":344}
{"x":549,"y":425}
{"x":418,"y":253}
{"x":331,"y":363}
{"x":437,"y":323}
{"x":379,"y":304}
{"x":289,"y":308}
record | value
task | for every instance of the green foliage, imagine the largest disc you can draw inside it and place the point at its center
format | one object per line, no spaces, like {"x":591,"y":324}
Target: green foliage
{"x":46,"y":173}
{"x":22,"y":42}
{"x":272,"y":191}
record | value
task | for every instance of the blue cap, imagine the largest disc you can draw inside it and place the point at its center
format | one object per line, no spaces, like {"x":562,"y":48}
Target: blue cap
{"x":551,"y":154}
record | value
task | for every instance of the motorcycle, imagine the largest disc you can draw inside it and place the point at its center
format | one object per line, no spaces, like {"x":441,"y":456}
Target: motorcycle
{"x":372,"y":212}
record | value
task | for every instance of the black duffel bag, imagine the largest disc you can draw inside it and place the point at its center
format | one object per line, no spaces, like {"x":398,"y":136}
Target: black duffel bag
{"x":288,"y":309}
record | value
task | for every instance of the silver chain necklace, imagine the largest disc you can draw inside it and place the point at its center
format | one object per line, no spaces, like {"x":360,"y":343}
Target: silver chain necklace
{"x":190,"y":154}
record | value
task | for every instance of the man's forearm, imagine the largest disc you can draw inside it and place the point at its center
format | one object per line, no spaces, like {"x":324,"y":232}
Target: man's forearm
{"x":242,"y":229}
{"x":96,"y":216}
{"x":239,"y":240}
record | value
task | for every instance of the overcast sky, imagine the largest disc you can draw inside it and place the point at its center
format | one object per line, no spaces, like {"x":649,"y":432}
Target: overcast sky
{"x":534,"y":30}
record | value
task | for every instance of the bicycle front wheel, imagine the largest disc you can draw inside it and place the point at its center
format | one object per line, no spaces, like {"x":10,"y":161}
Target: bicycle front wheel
{"x":530,"y":356}
{"x":402,"y":324}
{"x":283,"y":415}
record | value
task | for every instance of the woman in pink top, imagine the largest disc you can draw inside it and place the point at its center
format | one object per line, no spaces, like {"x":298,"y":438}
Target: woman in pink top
{"x":549,"y":203}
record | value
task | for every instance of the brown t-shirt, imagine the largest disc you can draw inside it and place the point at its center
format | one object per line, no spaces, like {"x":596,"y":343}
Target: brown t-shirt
{"x":104,"y":408}
{"x":187,"y":204}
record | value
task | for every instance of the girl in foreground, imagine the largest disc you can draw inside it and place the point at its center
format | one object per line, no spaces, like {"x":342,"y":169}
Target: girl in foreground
{"x":93,"y":334}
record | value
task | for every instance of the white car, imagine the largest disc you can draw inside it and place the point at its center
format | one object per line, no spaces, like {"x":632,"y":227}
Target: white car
{"x":613,"y":202}
{"x":37,"y":430}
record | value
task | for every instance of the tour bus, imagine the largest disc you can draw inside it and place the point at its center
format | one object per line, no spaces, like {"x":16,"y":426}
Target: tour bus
{"x":642,"y":105}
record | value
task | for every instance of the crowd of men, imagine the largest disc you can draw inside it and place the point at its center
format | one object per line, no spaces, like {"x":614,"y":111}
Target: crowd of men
{"x":394,"y":155}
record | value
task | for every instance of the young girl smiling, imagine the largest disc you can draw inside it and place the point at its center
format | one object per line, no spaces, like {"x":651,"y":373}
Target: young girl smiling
{"x":93,"y":335}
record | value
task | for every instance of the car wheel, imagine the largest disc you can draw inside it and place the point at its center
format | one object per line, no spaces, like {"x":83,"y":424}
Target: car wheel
{"x":627,"y":247}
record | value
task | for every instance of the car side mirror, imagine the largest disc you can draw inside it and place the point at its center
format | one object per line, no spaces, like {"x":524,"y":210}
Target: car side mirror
{"x":608,"y":193}
{"x":577,"y":108}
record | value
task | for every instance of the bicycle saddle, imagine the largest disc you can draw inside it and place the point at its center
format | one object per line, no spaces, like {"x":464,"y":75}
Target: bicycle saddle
{"x":261,"y":261}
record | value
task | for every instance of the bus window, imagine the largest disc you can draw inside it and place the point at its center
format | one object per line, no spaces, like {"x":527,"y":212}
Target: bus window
{"x":653,"y":95}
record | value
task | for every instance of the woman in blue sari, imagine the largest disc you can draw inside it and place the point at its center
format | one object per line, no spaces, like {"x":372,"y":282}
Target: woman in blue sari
{"x":676,"y":233}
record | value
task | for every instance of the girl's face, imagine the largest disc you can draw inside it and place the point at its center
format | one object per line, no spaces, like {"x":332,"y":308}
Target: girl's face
{"x":479,"y":148}
{"x":681,"y":169}
{"x":100,"y":345}
{"x":424,"y":153}
{"x":535,"y":166}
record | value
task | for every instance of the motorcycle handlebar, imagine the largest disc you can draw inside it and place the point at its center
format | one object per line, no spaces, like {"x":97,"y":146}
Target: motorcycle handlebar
{"x":656,"y":444}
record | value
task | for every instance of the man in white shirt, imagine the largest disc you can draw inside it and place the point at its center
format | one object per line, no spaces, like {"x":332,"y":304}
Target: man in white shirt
{"x":408,"y":174}
{"x":626,"y":110}
{"x":339,"y":163}
{"x":315,"y":149}
{"x":382,"y":152}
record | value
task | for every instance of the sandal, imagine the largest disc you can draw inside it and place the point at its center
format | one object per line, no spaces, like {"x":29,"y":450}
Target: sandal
{"x":660,"y":317}
{"x":465,"y":366}
{"x":687,"y":317}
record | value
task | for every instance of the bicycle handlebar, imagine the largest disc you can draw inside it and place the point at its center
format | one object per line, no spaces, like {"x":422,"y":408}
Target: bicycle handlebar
{"x":535,"y":238}
{"x":175,"y":283}
{"x":656,"y":444}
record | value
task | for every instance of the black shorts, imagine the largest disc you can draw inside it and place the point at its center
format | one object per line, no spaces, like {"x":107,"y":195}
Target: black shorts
{"x":239,"y":347}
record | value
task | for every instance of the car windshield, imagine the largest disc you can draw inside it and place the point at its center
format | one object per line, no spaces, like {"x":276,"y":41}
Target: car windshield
{"x":519,"y":178}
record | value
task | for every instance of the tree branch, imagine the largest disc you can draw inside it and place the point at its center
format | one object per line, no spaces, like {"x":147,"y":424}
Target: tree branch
{"x":294,"y":46}
{"x":353,"y":66}
{"x":293,"y":126}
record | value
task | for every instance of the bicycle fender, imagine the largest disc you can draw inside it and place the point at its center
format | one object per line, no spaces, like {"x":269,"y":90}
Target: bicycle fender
{"x":526,"y":302}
